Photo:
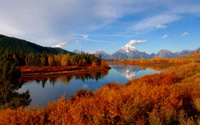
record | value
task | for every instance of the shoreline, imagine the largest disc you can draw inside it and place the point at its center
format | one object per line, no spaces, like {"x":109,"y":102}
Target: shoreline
{"x":47,"y":71}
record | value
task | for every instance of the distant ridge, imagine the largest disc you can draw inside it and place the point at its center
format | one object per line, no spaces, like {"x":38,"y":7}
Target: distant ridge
{"x":78,"y":51}
{"x":131,"y":53}
{"x":103,"y":54}
{"x":127,"y":52}
{"x":165,"y":54}
{"x":14,"y":44}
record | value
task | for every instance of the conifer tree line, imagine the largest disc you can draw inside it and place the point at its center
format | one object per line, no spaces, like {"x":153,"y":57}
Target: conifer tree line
{"x":9,"y":83}
{"x":46,"y":59}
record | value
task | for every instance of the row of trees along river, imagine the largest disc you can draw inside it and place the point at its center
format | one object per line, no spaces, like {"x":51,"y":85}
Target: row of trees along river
{"x":10,"y":72}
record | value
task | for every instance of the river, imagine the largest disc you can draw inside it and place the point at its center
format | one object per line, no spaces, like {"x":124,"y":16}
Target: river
{"x":50,"y":89}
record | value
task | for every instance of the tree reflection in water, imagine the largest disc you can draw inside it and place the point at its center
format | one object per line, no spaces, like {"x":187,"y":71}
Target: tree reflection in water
{"x":67,"y":78}
{"x":10,"y":98}
{"x":9,"y":84}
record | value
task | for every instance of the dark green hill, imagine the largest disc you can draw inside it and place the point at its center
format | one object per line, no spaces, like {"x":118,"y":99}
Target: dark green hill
{"x":1,"y":36}
{"x":14,"y":44}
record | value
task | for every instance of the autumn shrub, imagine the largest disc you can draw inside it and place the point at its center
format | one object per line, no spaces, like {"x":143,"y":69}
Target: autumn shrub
{"x":171,"y":97}
{"x":104,"y":64}
{"x":82,"y":93}
{"x":94,"y":65}
{"x":158,"y":79}
{"x":184,"y":71}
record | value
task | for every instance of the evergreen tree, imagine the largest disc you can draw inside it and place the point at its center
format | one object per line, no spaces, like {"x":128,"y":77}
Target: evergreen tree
{"x":9,"y":83}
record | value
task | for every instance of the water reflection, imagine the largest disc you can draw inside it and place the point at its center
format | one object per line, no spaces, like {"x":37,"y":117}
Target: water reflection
{"x":44,"y":89}
{"x":9,"y":97}
{"x":12,"y":99}
{"x":65,"y":78}
{"x":127,"y":71}
{"x":131,"y":72}
{"x":51,"y":88}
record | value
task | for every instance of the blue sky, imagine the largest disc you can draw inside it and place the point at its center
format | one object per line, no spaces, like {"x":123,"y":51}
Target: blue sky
{"x":90,"y":25}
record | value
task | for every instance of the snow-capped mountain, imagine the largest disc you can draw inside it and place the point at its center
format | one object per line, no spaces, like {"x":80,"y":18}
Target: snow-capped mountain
{"x":128,"y":48}
{"x":130,"y":52}
{"x":103,"y":54}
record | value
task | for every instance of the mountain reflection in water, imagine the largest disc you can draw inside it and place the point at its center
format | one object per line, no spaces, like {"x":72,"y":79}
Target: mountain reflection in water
{"x":131,"y":72}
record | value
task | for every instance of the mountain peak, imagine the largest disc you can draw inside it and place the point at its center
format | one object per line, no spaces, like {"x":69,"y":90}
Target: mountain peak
{"x":128,"y":48}
{"x":102,"y":53}
{"x":164,"y":50}
{"x":78,"y":51}
{"x":165,"y":54}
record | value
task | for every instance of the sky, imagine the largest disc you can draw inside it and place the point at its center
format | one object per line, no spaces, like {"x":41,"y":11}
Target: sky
{"x":108,"y":25}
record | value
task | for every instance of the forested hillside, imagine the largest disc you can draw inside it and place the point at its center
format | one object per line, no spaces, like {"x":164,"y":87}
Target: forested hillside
{"x":16,"y":45}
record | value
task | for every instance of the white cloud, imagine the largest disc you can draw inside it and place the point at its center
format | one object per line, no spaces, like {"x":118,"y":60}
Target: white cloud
{"x":161,"y":26}
{"x":134,"y":42}
{"x":152,"y":22}
{"x":129,"y":46}
{"x":47,"y":22}
{"x":165,"y":36}
{"x":185,"y":34}
{"x":62,"y":44}
{"x":37,"y":20}
{"x":174,"y":12}
{"x":85,"y":36}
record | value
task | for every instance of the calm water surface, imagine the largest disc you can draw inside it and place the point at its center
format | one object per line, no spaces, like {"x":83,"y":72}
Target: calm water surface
{"x":51,"y":89}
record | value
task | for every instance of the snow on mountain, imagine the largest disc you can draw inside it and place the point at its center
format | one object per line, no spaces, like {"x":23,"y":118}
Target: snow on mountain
{"x":129,"y":52}
{"x":128,"y":48}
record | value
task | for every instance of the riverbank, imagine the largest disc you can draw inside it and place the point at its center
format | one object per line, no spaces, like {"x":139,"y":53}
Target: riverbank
{"x":154,"y":66}
{"x":28,"y":72}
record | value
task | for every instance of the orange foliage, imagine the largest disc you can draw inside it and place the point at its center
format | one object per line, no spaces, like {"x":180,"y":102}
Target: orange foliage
{"x":158,"y":79}
{"x":171,"y":97}
{"x":161,"y":63}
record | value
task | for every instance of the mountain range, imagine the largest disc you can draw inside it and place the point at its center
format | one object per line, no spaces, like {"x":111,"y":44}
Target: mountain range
{"x":103,"y":54}
{"x":127,"y":52}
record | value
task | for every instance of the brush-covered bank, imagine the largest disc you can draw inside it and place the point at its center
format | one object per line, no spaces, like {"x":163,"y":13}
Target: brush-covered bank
{"x":171,"y":97}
